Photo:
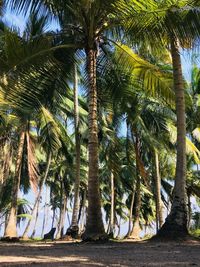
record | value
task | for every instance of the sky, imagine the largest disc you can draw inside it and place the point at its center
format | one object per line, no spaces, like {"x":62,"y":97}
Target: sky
{"x":19,"y":21}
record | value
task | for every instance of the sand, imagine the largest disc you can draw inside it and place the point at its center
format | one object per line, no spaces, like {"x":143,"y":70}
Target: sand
{"x":123,"y":254}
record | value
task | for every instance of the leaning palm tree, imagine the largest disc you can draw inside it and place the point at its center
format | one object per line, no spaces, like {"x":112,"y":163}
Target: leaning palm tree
{"x":176,"y":24}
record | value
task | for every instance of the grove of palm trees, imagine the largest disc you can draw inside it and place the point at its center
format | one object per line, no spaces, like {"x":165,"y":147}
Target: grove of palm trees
{"x":100,"y":132}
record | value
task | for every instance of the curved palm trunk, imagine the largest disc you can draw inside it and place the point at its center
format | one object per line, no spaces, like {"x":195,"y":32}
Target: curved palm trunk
{"x":74,"y":229}
{"x":37,"y":201}
{"x":94,"y":224}
{"x":159,"y":204}
{"x":176,"y":223}
{"x":11,"y":227}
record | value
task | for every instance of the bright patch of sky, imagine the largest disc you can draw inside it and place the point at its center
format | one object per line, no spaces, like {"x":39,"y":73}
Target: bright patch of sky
{"x":14,"y":20}
{"x":19,"y":21}
{"x":186,"y":58}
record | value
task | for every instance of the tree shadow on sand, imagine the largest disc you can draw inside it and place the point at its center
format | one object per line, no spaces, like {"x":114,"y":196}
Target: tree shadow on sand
{"x":143,"y":253}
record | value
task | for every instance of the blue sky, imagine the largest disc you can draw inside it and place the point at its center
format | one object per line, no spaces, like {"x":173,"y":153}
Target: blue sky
{"x":13,"y":19}
{"x":19,"y":21}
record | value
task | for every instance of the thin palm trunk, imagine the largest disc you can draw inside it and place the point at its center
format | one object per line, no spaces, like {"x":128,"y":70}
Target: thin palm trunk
{"x":45,"y":214}
{"x":135,"y":232}
{"x":74,"y":224}
{"x":131,"y":211}
{"x":176,"y":223}
{"x":137,"y":201}
{"x":189,"y":208}
{"x":82,"y":213}
{"x":94,"y":224}
{"x":5,"y":167}
{"x":112,"y":209}
{"x":37,"y":201}
{"x":36,"y":218}
{"x":63,"y":217}
{"x":62,"y":211}
{"x":159,"y":204}
{"x":11,"y":227}
{"x":53,"y":218}
{"x":119,"y":228}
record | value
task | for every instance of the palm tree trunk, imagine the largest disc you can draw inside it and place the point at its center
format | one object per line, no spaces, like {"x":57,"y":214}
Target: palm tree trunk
{"x":189,"y":208}
{"x":137,"y":201}
{"x":112,"y":210}
{"x":37,"y":201}
{"x":159,"y":204}
{"x":36,"y":218}
{"x":5,"y":167}
{"x":74,"y":224}
{"x":94,"y":224}
{"x":83,"y":211}
{"x":11,"y":227}
{"x":63,"y":216}
{"x":176,"y":223}
{"x":53,"y":218}
{"x":119,"y":228}
{"x":62,"y":211}
{"x":45,"y":214}
{"x":131,"y":211}
{"x":135,"y":232}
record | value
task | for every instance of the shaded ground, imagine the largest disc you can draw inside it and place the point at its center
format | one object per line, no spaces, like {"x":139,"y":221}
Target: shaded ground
{"x":110,"y":254}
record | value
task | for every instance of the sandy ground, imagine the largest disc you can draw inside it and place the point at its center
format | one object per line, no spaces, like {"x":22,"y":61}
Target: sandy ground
{"x":109,"y":254}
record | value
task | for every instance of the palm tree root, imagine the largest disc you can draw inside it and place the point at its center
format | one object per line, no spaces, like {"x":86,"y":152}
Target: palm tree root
{"x":10,"y":239}
{"x":73,"y":232}
{"x":172,"y":229}
{"x":94,"y":237}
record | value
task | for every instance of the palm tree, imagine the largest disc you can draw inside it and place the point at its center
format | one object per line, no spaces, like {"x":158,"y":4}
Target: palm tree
{"x":37,"y":201}
{"x":139,"y":108}
{"x":32,"y":42}
{"x":89,"y":30}
{"x":74,"y":229}
{"x":175,"y":24}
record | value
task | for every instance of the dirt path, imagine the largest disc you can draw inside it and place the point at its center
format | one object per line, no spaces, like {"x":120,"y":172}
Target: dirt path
{"x":111,"y":254}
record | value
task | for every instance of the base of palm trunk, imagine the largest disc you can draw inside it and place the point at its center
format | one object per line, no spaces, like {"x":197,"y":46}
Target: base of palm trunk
{"x":171,"y":230}
{"x":133,"y":238}
{"x":135,"y":232}
{"x":73,"y":232}
{"x":10,"y":239}
{"x":111,"y":235}
{"x":88,"y":236}
{"x":25,"y":238}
